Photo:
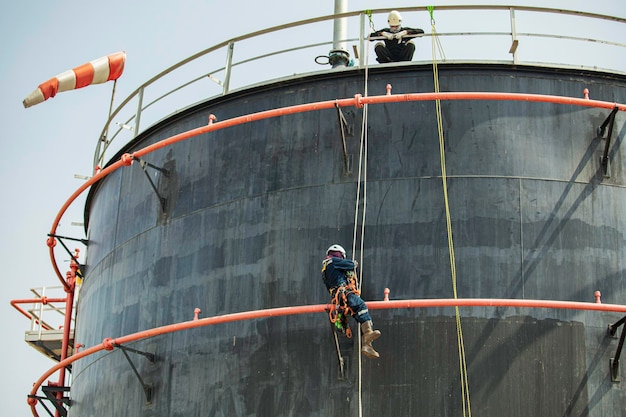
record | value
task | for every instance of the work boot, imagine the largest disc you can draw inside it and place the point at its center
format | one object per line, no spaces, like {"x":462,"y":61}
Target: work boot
{"x":369,"y":336}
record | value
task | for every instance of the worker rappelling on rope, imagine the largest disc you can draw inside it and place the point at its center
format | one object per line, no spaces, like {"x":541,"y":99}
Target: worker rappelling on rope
{"x":340,"y":280}
{"x":397,"y":45}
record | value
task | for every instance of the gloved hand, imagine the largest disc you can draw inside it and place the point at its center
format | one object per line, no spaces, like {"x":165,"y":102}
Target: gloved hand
{"x":387,"y":35}
{"x":401,"y":34}
{"x":356,"y":264}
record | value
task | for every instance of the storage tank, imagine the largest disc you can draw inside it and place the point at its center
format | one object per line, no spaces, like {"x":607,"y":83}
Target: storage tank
{"x":239,"y":219}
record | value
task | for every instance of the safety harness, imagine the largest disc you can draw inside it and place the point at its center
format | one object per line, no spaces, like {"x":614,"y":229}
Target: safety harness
{"x":341,"y":311}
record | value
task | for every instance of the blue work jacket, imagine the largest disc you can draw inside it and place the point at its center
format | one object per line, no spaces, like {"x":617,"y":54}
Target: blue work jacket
{"x":334,"y":271}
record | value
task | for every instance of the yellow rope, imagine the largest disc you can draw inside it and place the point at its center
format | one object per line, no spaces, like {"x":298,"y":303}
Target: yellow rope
{"x":461,"y":347}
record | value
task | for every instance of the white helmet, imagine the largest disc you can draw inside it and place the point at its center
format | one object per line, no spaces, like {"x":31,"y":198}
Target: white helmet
{"x":337,"y":248}
{"x":394,"y":18}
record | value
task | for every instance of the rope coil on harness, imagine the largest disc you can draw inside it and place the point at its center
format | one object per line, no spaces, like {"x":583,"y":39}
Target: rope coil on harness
{"x":460,"y":344}
{"x":341,"y":311}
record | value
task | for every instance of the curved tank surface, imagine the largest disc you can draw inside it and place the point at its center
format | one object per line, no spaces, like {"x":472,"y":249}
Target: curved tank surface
{"x":239,"y":219}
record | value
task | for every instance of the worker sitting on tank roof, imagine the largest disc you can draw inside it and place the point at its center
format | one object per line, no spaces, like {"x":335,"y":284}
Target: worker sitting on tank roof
{"x":335,"y":270}
{"x":397,"y":44}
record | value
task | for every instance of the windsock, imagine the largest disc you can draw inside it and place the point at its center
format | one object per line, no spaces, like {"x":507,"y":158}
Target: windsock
{"x":99,"y":71}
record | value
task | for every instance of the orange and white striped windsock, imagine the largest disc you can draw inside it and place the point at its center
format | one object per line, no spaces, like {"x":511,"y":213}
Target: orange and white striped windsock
{"x":99,"y":71}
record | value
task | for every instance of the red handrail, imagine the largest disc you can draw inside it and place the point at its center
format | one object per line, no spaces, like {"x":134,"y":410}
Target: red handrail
{"x":357,"y":101}
{"x":43,"y":300}
{"x":109,"y":343}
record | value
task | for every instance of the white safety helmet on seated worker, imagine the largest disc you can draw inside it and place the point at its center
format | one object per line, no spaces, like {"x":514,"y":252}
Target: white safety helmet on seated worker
{"x":394,"y":18}
{"x":337,"y":248}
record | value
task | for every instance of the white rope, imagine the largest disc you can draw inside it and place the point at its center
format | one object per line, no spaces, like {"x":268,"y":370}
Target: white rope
{"x":362,"y":177}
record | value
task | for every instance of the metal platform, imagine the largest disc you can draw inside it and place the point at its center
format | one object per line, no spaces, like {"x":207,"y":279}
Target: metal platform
{"x":49,"y":342}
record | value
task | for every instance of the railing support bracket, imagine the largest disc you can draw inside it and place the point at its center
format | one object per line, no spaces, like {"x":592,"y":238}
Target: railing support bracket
{"x":343,"y":124}
{"x":163,"y":171}
{"x":604,"y":161}
{"x":147,"y":388}
{"x":614,"y":363}
{"x":59,"y":403}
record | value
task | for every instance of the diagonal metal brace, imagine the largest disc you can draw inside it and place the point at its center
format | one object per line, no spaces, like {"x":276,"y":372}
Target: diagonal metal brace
{"x":612,"y":329}
{"x":60,"y":238}
{"x":615,"y":360}
{"x":43,"y":404}
{"x":147,"y":388}
{"x":59,"y":404}
{"x":343,"y":124}
{"x":163,"y":171}
{"x":83,"y":241}
{"x":610,"y":121}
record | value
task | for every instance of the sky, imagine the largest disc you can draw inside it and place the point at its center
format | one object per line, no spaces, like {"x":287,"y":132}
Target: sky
{"x":45,"y":146}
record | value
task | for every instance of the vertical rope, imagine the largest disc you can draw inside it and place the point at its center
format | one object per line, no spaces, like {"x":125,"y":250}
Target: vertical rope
{"x":362,"y":178}
{"x":460,"y":345}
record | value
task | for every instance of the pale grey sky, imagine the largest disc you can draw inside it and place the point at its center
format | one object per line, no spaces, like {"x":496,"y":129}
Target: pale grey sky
{"x":44,"y":146}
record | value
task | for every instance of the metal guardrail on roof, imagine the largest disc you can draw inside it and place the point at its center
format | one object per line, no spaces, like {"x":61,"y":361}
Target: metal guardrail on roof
{"x":554,"y":37}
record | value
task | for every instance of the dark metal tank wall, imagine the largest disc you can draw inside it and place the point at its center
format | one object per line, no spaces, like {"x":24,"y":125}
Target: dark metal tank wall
{"x":250,"y":210}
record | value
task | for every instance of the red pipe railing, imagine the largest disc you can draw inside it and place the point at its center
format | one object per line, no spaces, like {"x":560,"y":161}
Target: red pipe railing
{"x":109,"y":343}
{"x":357,"y":101}
{"x":42,"y":300}
{"x":69,"y":305}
